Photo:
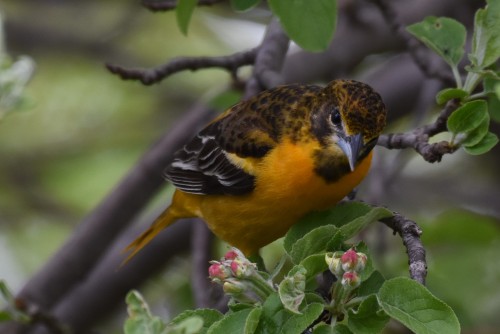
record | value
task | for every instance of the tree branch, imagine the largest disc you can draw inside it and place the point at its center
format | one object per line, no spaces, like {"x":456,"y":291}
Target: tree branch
{"x":201,"y":245}
{"x":410,"y":233}
{"x":165,"y":5}
{"x":418,"y":138}
{"x":107,"y":284}
{"x":269,"y":60}
{"x":419,"y":55}
{"x":75,"y":260}
{"x":354,"y":41}
{"x":151,"y":76}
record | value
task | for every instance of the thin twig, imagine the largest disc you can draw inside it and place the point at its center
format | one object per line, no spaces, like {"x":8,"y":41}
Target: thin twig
{"x":414,"y":48}
{"x":418,"y":138}
{"x":151,"y":76}
{"x":410,"y":233}
{"x":40,"y":317}
{"x":166,"y":5}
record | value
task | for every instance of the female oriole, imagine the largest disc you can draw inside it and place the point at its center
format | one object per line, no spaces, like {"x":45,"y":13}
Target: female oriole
{"x":263,"y":164}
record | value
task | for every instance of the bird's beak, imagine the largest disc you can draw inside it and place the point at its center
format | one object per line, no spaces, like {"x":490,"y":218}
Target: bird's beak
{"x":351,"y":146}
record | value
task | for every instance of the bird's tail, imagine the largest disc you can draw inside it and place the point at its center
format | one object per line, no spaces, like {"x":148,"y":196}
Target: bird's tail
{"x":165,"y":219}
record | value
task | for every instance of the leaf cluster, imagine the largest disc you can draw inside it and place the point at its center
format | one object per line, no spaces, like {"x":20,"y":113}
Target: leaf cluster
{"x":296,"y":306}
{"x":469,"y":124}
{"x":310,"y":24}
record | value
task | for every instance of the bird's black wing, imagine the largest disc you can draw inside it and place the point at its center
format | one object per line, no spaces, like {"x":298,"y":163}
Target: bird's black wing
{"x":204,"y":165}
{"x":211,"y":162}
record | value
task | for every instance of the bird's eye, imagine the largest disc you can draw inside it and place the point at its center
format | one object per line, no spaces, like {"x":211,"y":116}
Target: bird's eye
{"x":335,"y":116}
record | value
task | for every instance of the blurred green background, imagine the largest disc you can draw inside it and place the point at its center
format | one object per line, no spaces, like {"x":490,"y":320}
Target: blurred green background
{"x":82,"y":129}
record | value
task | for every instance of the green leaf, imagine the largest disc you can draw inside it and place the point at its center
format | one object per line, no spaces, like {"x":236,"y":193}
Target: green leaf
{"x":313,"y":297}
{"x":313,"y":242}
{"x":140,"y":320}
{"x":273,"y":315}
{"x":235,"y":306}
{"x":475,"y":136}
{"x":243,"y":5}
{"x":314,"y":264}
{"x":497,"y":90}
{"x":443,"y":35}
{"x":252,"y":320}
{"x":191,"y":325}
{"x":338,"y":216}
{"x":351,"y":217}
{"x":449,"y":94}
{"x":494,"y":108}
{"x":244,"y":321}
{"x":489,"y":84}
{"x":183,"y":13}
{"x":310,"y":24}
{"x":208,"y":317}
{"x":299,"y":322}
{"x":415,"y":307}
{"x":468,"y":117}
{"x":487,"y":143}
{"x":371,"y":285}
{"x":327,"y":329}
{"x":291,"y":289}
{"x":276,"y":319}
{"x":486,"y":39}
{"x":352,"y":228}
{"x":368,"y":318}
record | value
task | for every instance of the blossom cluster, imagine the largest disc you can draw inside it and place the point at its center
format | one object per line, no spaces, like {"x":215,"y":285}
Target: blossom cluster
{"x":347,"y":266}
{"x":240,"y":278}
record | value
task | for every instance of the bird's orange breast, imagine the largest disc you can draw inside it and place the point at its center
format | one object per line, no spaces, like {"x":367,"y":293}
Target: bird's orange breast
{"x":287,"y":188}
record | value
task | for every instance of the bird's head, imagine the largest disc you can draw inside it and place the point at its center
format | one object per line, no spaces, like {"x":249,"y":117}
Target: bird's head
{"x":351,"y":115}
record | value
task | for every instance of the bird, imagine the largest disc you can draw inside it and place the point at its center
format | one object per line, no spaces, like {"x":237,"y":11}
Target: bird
{"x":266,"y":162}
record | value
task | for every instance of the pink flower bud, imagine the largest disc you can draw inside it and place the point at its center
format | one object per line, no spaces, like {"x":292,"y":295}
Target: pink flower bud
{"x":362,"y":260}
{"x":349,"y":260}
{"x":231,"y":255}
{"x":350,"y":280}
{"x":241,"y":267}
{"x":236,"y":267}
{"x":218,"y":272}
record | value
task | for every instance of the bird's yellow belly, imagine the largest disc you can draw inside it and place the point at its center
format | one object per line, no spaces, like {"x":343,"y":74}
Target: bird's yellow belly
{"x":252,"y":221}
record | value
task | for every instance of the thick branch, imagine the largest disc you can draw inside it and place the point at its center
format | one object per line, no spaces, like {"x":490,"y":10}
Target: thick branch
{"x":269,"y":60}
{"x":108,"y":283}
{"x":106,"y":286}
{"x":410,"y":233}
{"x":73,"y":262}
{"x":418,"y":138}
{"x":151,"y":76}
{"x":201,"y":244}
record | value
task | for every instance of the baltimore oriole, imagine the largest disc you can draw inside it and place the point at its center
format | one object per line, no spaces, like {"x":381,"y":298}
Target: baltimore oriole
{"x":264,"y":163}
